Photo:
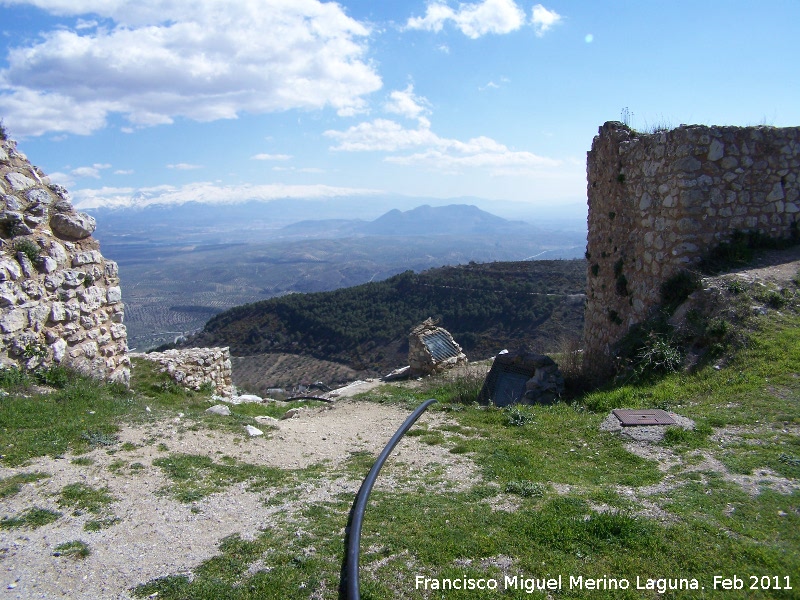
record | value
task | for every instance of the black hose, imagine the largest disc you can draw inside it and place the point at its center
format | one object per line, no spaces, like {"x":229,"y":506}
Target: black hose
{"x":293,"y":398}
{"x":348,"y":585}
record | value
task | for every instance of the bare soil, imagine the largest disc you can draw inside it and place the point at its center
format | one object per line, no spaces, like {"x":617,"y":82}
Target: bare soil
{"x":158,"y":535}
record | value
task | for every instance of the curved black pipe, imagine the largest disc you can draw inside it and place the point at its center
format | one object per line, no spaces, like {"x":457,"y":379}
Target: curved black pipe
{"x":297,"y":398}
{"x":348,"y":584}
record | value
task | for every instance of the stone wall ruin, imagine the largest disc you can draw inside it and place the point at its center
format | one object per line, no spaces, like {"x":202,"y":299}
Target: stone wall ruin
{"x":658,"y":202}
{"x":196,"y":368}
{"x":60,"y":300}
{"x":432,"y":349}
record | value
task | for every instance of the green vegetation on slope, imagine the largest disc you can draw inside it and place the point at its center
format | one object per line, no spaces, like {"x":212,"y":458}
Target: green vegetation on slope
{"x":486,"y":307}
{"x":546,"y":494}
{"x":554,"y":496}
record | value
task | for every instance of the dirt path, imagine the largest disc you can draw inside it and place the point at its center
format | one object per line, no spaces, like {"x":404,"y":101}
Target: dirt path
{"x":156,"y":534}
{"x":778,"y":266}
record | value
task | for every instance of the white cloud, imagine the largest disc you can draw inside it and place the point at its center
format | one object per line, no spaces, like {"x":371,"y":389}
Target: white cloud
{"x":406,"y":103}
{"x":544,"y":19}
{"x":271,"y":157}
{"x":205,"y":192}
{"x":493,"y":85}
{"x":123,"y":172}
{"x":93,"y":171}
{"x":498,"y":161}
{"x":310,"y":170}
{"x":204,"y":60}
{"x":62,"y":179}
{"x":435,"y":152}
{"x":473,"y":20}
{"x":383,"y":135}
{"x":184,"y":167}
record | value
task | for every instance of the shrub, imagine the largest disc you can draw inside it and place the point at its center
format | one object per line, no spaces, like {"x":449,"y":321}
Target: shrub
{"x":718,"y":328}
{"x":29,"y":249}
{"x":55,"y":376}
{"x":526,"y":488}
{"x":3,"y":133}
{"x":14,"y":378}
{"x":517,"y":417}
{"x":658,"y":355}
{"x":676,"y":289}
{"x":570,"y":357}
{"x":735,"y":287}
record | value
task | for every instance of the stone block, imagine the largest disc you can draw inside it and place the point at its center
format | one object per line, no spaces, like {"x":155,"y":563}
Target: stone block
{"x":14,"y":320}
{"x":73,"y":225}
{"x":19,"y":182}
{"x":716,"y":150}
{"x":87,"y":258}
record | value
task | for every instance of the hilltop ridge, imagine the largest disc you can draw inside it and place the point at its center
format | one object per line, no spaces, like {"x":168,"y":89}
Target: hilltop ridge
{"x":487,"y":307}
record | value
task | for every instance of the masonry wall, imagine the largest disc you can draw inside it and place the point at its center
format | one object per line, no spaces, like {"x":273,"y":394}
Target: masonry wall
{"x":658,"y":202}
{"x":196,"y":368}
{"x":60,"y":300}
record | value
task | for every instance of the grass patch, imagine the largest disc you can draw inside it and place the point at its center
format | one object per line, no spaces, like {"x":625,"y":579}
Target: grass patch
{"x":12,"y":485}
{"x":99,"y":524}
{"x":30,"y":519}
{"x":687,"y":438}
{"x":84,"y":498}
{"x":525,"y":488}
{"x":76,"y":549}
{"x":82,"y":415}
{"x":194,"y":477}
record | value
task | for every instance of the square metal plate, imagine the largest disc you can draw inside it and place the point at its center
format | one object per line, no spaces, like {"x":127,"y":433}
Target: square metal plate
{"x":632,"y":418}
{"x":440,"y":346}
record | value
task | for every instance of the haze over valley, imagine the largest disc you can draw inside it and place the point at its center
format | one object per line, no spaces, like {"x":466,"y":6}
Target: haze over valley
{"x":181,"y":265}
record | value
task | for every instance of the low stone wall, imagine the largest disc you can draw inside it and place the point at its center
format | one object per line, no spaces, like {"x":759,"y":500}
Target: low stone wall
{"x":195,"y":368}
{"x":60,"y":300}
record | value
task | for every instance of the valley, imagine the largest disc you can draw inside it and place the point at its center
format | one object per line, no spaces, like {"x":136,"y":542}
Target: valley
{"x":302,"y":338}
{"x":178,"y":271}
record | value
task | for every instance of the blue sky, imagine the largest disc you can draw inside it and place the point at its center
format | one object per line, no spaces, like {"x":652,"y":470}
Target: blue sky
{"x":219,"y":100}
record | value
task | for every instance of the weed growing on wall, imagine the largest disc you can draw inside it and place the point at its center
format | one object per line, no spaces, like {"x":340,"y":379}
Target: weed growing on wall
{"x":29,"y":249}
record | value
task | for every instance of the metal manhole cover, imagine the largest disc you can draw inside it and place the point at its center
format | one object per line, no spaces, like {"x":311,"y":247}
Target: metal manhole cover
{"x":631,"y":418}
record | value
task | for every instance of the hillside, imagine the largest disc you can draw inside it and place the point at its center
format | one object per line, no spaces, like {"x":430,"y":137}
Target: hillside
{"x":487,"y":307}
{"x":109,"y":492}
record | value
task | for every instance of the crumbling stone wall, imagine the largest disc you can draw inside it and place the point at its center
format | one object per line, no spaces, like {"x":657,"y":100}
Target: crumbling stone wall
{"x":196,"y":367}
{"x":658,"y":202}
{"x":60,"y":300}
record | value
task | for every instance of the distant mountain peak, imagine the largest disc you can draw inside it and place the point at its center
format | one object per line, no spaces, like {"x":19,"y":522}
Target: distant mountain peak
{"x":437,"y":220}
